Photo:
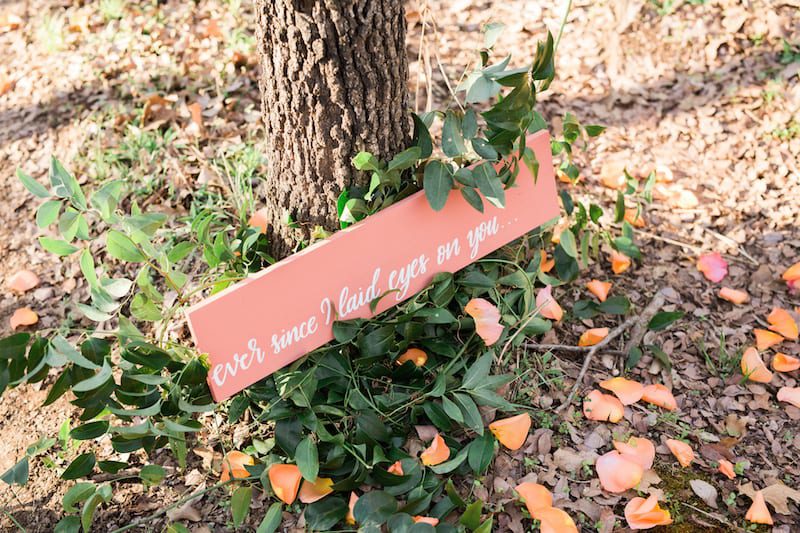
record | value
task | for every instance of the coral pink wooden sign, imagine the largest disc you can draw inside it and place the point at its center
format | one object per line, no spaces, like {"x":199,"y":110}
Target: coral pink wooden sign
{"x":273,"y":318}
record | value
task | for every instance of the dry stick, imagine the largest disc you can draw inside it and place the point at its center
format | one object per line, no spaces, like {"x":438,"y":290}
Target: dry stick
{"x":731,"y":242}
{"x":644,"y":318}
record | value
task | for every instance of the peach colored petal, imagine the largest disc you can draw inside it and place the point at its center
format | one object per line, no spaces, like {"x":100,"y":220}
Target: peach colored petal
{"x":627,"y":390}
{"x":726,"y":468}
{"x":682,"y":451}
{"x":396,"y":469}
{"x":753,"y":368}
{"x":635,"y":217}
{"x":554,"y":520}
{"x":659,"y":395}
{"x":619,"y":262}
{"x":599,"y":288}
{"x":759,"y":512}
{"x":547,"y":305}
{"x":312,"y":492}
{"x":794,"y":286}
{"x":590,"y":337}
{"x":641,"y":513}
{"x":616,"y":473}
{"x":436,"y":453}
{"x":512,"y":432}
{"x":260,"y":220}
{"x":426,"y":520}
{"x":350,"y":518}
{"x":782,"y":322}
{"x":545,"y":264}
{"x":733,"y":295}
{"x":792,"y":273}
{"x":233,"y":466}
{"x":415,"y":355}
{"x":602,"y":407}
{"x":713,"y":266}
{"x":285,"y":481}
{"x":790,"y":395}
{"x":766,"y":339}
{"x":639,"y":450}
{"x":536,"y":497}
{"x":487,"y":320}
{"x":24,"y":316}
{"x":22,"y":281}
{"x":785,"y":363}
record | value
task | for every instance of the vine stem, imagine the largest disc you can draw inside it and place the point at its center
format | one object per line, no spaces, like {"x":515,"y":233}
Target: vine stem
{"x":561,"y":28}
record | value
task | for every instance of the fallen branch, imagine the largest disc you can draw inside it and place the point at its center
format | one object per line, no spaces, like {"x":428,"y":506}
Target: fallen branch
{"x":638,"y":322}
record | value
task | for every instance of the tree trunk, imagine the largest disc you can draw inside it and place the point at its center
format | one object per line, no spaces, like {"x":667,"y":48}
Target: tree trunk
{"x":333,"y":83}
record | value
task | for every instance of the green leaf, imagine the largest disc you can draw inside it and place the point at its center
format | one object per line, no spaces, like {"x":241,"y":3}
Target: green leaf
{"x":47,"y":213}
{"x":422,"y":137}
{"x":491,"y":32}
{"x":102,"y":494}
{"x":472,"y":197}
{"x":472,"y":416}
{"x":437,"y":183}
{"x":478,"y":372}
{"x":152,"y":475}
{"x":481,"y":452}
{"x":374,"y":507}
{"x":79,"y":492}
{"x":405,"y":159}
{"x":68,"y":524}
{"x":307,"y":459}
{"x":451,"y":464}
{"x":616,"y":305}
{"x":17,"y":474}
{"x":593,"y":130}
{"x":481,"y":89}
{"x":96,"y":381}
{"x":472,"y":515}
{"x":64,"y":349}
{"x":661,"y":355}
{"x":81,"y":466}
{"x":452,"y":139}
{"x":489,"y":184}
{"x":323,"y":515}
{"x":567,"y":242}
{"x":33,"y":186}
{"x":664,"y":319}
{"x":65,"y":185}
{"x":272,"y":518}
{"x":366,"y":161}
{"x":57,"y":246}
{"x":89,"y":431}
{"x":122,"y":247}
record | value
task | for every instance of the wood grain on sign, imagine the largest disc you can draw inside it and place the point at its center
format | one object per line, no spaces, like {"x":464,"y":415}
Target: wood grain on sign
{"x":273,"y":318}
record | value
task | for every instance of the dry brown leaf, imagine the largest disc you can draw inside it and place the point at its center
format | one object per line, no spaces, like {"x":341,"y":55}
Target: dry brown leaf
{"x":777,"y":495}
{"x":184,"y":512}
{"x":705,"y":491}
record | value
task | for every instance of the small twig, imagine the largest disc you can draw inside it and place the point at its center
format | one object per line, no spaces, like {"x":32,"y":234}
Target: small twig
{"x":731,"y":242}
{"x":644,"y":318}
{"x":695,"y":249}
{"x":714,"y":517}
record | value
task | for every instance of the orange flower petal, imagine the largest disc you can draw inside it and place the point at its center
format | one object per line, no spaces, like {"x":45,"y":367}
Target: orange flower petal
{"x":627,"y":390}
{"x":233,"y":466}
{"x":487,"y":320}
{"x":753,"y":368}
{"x":782,"y":322}
{"x":312,"y":492}
{"x":617,"y":473}
{"x":260,"y":220}
{"x":285,"y":481}
{"x":426,"y":520}
{"x":639,"y":450}
{"x":635,"y":217}
{"x":602,"y":407}
{"x":512,"y":432}
{"x":766,"y":339}
{"x":619,"y":262}
{"x":792,"y":273}
{"x":23,"y":281}
{"x":759,"y":512}
{"x":536,"y":497}
{"x":785,"y":363}
{"x":734,"y":296}
{"x":713,"y":266}
{"x":726,"y":467}
{"x":547,"y":305}
{"x":396,"y":469}
{"x":554,"y":520}
{"x":682,"y":451}
{"x":349,"y":518}
{"x":790,"y":395}
{"x":659,"y":395}
{"x":436,"y":453}
{"x":545,"y":264}
{"x":415,"y":355}
{"x":590,"y":337}
{"x":642,"y":513}
{"x":24,"y":316}
{"x":599,"y":288}
{"x":794,"y":286}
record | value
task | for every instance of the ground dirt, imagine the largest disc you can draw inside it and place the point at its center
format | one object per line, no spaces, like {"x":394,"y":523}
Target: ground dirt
{"x":702,"y":92}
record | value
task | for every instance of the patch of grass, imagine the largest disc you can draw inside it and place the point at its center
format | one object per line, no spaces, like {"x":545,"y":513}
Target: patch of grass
{"x":790,"y":53}
{"x":725,"y":363}
{"x":112,"y":9}
{"x":790,"y":131}
{"x":240,"y":166}
{"x":50,"y":34}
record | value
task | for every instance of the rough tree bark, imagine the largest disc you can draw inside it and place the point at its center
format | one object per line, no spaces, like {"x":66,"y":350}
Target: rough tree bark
{"x":333,"y":83}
